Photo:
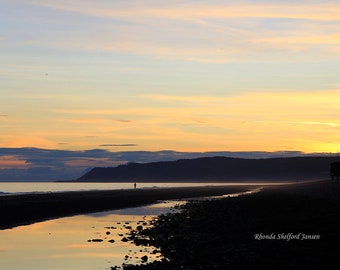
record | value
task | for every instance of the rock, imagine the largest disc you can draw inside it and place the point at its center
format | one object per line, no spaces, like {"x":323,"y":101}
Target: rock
{"x":107,"y":233}
{"x":124,"y":239}
{"x":111,"y":241}
{"x":139,"y":228}
{"x":144,"y":258}
{"x":97,"y":240}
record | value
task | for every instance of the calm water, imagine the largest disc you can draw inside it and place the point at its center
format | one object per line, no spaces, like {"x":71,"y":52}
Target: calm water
{"x":63,"y":244}
{"x":29,"y":187}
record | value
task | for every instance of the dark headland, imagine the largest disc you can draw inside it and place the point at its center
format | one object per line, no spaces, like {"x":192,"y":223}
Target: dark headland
{"x":215,"y":169}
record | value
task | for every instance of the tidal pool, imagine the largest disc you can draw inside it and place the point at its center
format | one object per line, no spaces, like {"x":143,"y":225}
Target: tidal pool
{"x":83,"y":242}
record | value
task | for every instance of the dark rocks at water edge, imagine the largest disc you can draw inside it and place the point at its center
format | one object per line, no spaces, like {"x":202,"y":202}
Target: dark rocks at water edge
{"x":144,"y":258}
{"x":221,"y":234}
{"x":96,"y":240}
{"x":212,"y":169}
{"x":124,"y":239}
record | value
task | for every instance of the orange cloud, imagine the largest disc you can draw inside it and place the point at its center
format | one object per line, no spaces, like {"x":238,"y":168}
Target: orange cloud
{"x":12,"y":162}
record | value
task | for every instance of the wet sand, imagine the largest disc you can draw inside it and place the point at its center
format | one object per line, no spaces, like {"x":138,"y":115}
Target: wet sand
{"x":282,"y":227}
{"x":24,"y":209}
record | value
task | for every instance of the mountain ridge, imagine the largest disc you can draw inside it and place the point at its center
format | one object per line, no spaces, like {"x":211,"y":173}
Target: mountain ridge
{"x":214,"y":169}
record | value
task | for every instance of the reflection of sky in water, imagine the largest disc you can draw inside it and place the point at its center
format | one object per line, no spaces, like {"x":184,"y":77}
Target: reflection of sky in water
{"x":154,"y":209}
{"x":63,"y":244}
{"x":67,"y":243}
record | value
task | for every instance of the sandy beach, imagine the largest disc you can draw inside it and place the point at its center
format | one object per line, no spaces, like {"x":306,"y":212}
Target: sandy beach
{"x":29,"y":208}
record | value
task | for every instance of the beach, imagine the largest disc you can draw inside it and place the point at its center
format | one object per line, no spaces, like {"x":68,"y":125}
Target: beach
{"x":293,"y":226}
{"x":282,"y":227}
{"x":29,"y":208}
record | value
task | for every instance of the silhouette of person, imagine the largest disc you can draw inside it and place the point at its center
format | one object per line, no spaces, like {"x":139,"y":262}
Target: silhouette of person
{"x":135,"y":185}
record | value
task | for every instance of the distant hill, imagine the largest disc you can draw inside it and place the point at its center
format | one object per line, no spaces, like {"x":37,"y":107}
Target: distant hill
{"x":215,"y":169}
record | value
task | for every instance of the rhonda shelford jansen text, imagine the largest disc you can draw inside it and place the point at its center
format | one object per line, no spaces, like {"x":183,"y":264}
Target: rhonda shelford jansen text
{"x":286,"y":236}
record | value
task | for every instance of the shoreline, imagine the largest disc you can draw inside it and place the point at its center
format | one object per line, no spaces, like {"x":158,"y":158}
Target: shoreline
{"x":25,"y":209}
{"x":282,"y":227}
{"x":21,"y":188}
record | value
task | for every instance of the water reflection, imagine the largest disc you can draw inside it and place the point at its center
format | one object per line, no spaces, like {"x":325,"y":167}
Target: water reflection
{"x":84,"y":242}
{"x":94,"y":241}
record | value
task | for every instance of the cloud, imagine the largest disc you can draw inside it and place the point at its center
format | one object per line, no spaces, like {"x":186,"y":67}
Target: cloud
{"x":12,"y":162}
{"x":329,"y":124}
{"x":124,"y":121}
{"x":120,"y":145}
{"x":194,"y":10}
{"x":203,"y":32}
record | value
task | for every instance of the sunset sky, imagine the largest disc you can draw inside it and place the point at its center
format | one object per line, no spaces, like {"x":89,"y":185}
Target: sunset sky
{"x":193,"y":75}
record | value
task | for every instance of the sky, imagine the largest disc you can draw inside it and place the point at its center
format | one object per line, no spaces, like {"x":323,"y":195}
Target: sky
{"x":170,"y":75}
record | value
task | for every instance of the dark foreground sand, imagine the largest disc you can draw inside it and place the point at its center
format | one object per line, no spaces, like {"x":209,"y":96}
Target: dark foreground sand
{"x":26,"y":209}
{"x":286,"y":227}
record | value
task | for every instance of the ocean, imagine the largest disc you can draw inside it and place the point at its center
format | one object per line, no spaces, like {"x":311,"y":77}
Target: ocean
{"x":38,"y":187}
